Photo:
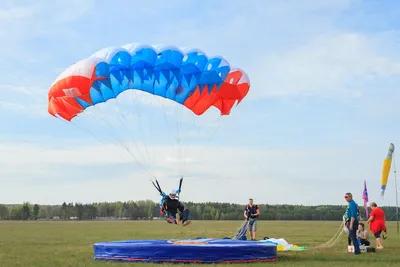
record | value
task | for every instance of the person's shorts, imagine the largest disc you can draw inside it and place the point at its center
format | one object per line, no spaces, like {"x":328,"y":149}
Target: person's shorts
{"x":252,"y":226}
{"x":378,"y":234}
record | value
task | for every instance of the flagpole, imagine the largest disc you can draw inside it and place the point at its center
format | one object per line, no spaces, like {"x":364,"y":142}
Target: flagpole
{"x":397,"y":192}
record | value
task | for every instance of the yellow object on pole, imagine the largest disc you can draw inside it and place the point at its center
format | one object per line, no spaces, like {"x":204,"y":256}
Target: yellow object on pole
{"x":387,"y":163}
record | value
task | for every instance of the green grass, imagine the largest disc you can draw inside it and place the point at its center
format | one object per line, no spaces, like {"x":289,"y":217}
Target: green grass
{"x":54,"y":244}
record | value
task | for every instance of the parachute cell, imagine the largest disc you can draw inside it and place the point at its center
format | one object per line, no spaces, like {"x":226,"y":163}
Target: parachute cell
{"x":187,"y":77}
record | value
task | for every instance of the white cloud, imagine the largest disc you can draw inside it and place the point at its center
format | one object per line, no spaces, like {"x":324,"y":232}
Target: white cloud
{"x":11,"y":106}
{"x":32,"y":19}
{"x":21,"y":23}
{"x":214,"y":173}
{"x":333,"y":64}
{"x":29,"y":100}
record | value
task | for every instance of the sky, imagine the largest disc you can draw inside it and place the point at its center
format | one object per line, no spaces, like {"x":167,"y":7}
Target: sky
{"x":322,"y":109}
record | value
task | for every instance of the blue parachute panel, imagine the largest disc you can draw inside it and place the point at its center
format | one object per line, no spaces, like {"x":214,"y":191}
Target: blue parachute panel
{"x":168,"y":73}
{"x":200,"y":250}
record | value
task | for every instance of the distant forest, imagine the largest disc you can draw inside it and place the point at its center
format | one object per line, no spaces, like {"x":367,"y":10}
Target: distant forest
{"x":149,"y":210}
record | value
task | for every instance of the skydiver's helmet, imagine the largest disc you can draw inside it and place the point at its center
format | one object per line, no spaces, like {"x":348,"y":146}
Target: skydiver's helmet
{"x":172,"y":194}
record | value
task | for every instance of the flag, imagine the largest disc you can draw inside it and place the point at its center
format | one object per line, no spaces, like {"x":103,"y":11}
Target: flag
{"x":365,"y":197}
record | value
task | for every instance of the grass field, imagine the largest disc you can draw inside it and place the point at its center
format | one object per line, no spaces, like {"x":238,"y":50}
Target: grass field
{"x":54,"y":244}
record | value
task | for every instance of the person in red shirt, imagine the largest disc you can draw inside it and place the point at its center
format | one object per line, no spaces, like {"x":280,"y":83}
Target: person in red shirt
{"x":377,"y":223}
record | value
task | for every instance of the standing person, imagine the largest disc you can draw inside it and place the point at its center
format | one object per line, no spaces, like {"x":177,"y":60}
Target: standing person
{"x":377,"y":223}
{"x":251,"y":213}
{"x":347,"y":223}
{"x":352,"y":220}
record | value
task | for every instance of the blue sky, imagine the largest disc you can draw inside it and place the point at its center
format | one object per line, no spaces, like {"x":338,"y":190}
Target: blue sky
{"x":321,"y":112}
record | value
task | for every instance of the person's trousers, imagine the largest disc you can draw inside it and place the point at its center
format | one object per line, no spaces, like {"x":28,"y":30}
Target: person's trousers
{"x":353,"y":236}
{"x":364,"y":242}
{"x":185,"y":215}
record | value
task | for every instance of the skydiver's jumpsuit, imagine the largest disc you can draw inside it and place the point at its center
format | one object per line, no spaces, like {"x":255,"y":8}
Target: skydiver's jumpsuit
{"x":171,"y":207}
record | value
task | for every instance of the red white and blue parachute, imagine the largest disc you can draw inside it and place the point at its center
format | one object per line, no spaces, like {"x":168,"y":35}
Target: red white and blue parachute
{"x":186,"y":76}
{"x":111,"y":86}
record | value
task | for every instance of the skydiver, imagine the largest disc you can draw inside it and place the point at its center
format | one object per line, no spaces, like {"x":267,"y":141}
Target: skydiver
{"x":170,"y":207}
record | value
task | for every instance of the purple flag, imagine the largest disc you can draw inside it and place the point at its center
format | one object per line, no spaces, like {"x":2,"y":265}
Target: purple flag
{"x":365,"y":197}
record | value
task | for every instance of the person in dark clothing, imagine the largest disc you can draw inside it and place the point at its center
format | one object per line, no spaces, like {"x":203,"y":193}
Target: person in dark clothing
{"x":171,"y":206}
{"x":348,"y":224}
{"x":251,"y":213}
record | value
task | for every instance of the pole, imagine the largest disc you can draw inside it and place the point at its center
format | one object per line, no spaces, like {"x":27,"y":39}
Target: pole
{"x":397,"y":193}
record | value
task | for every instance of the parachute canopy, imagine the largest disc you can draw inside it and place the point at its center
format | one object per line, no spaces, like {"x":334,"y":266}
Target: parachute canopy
{"x":185,"y":76}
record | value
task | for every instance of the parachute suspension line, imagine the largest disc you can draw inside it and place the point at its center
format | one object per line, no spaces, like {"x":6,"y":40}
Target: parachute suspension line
{"x":84,"y":129}
{"x":151,"y":148}
{"x":333,"y":241}
{"x":217,"y":121}
{"x":177,"y":137}
{"x":215,"y":131}
{"x":122,"y":119}
{"x":141,"y":164}
{"x":105,"y":142}
{"x":179,"y":142}
{"x":144,"y":140}
{"x":117,"y":138}
{"x":121,"y":143}
{"x":136,"y":104}
{"x":116,"y":141}
{"x":187,"y":149}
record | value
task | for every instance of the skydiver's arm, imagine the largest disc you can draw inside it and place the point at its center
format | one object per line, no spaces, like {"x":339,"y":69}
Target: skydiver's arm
{"x":257,"y":212}
{"x":163,"y":206}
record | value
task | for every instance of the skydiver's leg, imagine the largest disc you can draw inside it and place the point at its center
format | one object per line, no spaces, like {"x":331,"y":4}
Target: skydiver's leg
{"x":171,"y":218}
{"x":185,"y":217}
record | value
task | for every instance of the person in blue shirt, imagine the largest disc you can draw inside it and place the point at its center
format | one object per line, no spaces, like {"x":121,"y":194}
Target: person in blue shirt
{"x":352,"y":221}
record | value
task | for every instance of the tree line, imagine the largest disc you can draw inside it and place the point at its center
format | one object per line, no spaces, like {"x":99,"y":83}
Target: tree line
{"x":148,"y":210}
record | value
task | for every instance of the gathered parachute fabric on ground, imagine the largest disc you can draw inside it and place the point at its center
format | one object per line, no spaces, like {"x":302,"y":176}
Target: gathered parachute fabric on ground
{"x":283,"y":245}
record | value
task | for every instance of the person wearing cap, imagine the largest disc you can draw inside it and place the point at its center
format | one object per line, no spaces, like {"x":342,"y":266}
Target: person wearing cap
{"x":171,"y":205}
